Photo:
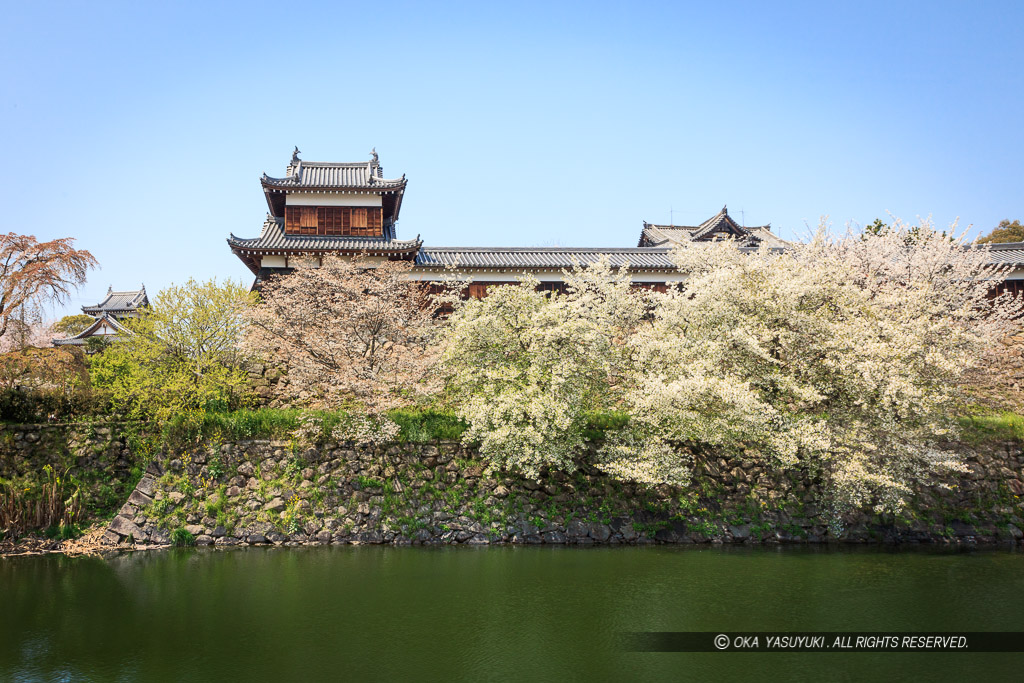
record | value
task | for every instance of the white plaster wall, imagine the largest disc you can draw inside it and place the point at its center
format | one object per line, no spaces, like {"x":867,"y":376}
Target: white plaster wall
{"x":307,"y":261}
{"x":332,"y":199}
{"x":272,"y":262}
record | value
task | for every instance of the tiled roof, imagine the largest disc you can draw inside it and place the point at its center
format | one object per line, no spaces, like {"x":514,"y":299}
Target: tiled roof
{"x":1005,"y":253}
{"x":329,"y":175}
{"x":119,"y":302}
{"x":103,"y":320}
{"x":540,"y":257}
{"x":719,"y":224}
{"x":273,"y":237}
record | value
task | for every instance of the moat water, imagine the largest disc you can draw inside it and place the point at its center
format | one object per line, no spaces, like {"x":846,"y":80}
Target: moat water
{"x":480,"y":614}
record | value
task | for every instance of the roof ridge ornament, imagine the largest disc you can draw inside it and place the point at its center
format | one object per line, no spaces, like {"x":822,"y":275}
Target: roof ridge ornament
{"x":373,"y":153}
{"x":295,"y":155}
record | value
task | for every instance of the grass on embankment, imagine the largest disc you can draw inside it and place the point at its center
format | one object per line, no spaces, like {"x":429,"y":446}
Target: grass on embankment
{"x":417,"y":425}
{"x":425,"y":425}
{"x":988,"y":428}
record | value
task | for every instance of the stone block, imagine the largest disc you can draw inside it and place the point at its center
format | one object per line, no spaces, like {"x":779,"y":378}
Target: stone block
{"x":139,"y":498}
{"x":275,"y":505}
{"x":126,"y":527}
{"x":146,"y":485}
{"x":555,"y":537}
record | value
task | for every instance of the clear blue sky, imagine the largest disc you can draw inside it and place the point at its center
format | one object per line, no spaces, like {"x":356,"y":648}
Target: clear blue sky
{"x":141,"y":129}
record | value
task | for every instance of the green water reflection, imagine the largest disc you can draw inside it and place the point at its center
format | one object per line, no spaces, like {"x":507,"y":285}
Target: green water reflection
{"x":381,"y":613}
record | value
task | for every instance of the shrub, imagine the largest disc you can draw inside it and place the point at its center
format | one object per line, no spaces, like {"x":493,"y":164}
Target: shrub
{"x":54,"y":502}
{"x":182,"y":537}
{"x":26,"y":406}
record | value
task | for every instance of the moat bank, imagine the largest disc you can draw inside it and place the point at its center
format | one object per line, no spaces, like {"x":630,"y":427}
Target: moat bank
{"x":496,"y":613}
{"x":258,"y":492}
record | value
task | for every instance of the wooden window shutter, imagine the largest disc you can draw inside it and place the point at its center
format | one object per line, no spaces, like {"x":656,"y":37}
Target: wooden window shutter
{"x":307,"y":217}
{"x":291,"y":220}
{"x":359,"y":221}
{"x":358,"y":218}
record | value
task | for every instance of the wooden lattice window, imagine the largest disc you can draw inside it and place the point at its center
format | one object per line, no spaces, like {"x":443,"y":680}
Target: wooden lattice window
{"x":334,"y":220}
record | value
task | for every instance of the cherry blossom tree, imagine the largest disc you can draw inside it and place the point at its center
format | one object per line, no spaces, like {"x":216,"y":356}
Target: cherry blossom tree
{"x":843,"y":356}
{"x":524,"y":366}
{"x":351,"y":331}
{"x":34,"y":273}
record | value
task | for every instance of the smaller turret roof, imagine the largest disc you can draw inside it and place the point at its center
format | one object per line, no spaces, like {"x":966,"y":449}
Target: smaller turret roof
{"x":119,"y":302}
{"x":719,"y":225}
{"x":104,"y":321}
{"x":334,"y":175}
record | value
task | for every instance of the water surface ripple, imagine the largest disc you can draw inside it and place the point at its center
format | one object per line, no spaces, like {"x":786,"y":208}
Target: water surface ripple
{"x":502,"y":613}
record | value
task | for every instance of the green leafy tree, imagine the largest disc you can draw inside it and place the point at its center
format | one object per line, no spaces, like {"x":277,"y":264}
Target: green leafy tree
{"x":1004,"y":232}
{"x":70,"y":325}
{"x":181,"y":354}
{"x":912,"y":234}
{"x":877,"y":227}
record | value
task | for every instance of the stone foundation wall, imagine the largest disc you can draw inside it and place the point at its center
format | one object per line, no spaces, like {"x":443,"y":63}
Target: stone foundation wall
{"x":998,"y":383}
{"x":267,"y":492}
{"x":269,"y":381}
{"x":96,"y":455}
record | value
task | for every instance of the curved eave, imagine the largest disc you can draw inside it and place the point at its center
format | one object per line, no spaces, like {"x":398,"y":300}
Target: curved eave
{"x":247,"y":252}
{"x":251,"y":244}
{"x":284,"y":251}
{"x":383,"y":185}
{"x":272,"y":191}
{"x":102,"y":321}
